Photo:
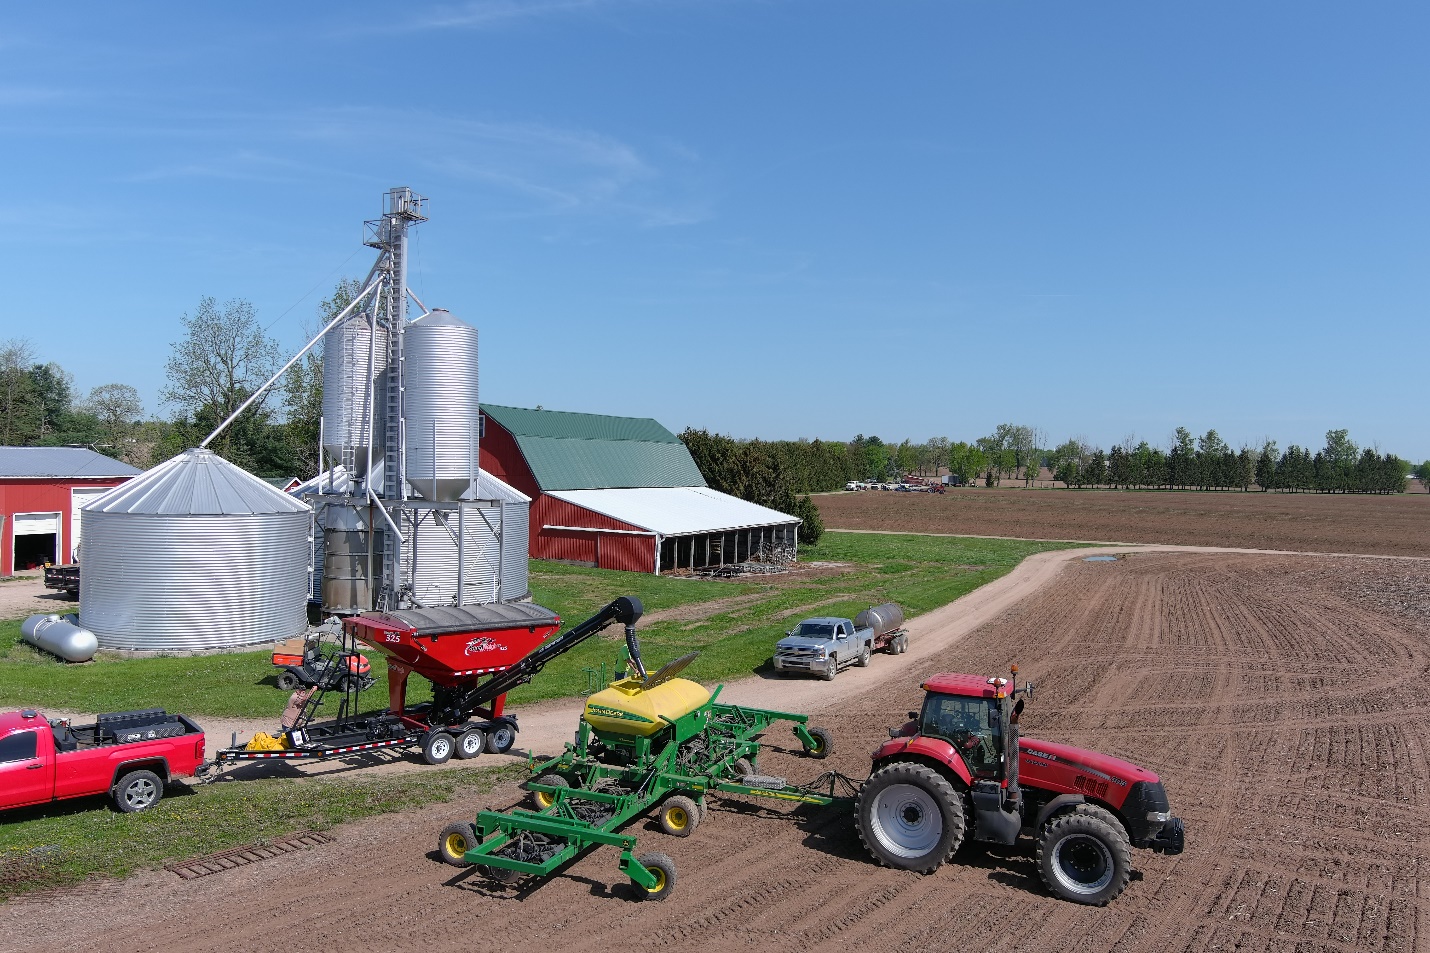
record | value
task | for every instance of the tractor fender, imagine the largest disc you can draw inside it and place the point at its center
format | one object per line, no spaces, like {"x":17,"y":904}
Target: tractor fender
{"x":935,"y":752}
{"x":1056,"y":806}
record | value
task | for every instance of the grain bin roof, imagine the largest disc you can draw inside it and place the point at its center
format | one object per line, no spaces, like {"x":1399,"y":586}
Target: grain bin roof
{"x":196,"y":483}
{"x":46,"y":462}
{"x":569,"y":451}
{"x":677,"y":511}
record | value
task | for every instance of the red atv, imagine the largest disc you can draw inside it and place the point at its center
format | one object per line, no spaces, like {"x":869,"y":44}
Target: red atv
{"x":960,"y":760}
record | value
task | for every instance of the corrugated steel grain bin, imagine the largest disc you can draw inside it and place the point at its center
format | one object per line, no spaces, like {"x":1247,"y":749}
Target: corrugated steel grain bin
{"x":194,"y":554}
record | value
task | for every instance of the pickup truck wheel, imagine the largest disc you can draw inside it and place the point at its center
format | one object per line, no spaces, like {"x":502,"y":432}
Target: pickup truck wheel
{"x":438,"y":747}
{"x":471,"y":743}
{"x":831,"y":669}
{"x":864,"y":655}
{"x":287,"y":681}
{"x":823,"y":743}
{"x":454,"y":842}
{"x":910,"y":817}
{"x":138,"y":791}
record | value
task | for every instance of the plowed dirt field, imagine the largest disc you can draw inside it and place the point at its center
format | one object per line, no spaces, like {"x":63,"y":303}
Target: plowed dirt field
{"x":1284,"y":701}
{"x":1311,"y":522}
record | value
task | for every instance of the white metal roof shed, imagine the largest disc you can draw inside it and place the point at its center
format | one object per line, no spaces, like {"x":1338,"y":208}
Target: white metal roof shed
{"x":676,"y":510}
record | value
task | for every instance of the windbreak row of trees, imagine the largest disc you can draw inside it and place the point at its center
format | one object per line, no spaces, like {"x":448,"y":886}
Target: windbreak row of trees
{"x":1208,"y":463}
{"x":1013,"y":452}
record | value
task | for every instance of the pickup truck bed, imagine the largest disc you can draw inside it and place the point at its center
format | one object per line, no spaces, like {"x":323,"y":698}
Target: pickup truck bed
{"x":128,"y":755}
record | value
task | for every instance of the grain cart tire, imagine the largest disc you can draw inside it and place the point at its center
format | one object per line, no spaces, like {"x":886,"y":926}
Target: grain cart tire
{"x":455,"y":840}
{"x":679,"y":816}
{"x":438,"y":747}
{"x":831,"y":669}
{"x":910,"y":817}
{"x":138,"y":791}
{"x":471,"y":743}
{"x":542,"y":801}
{"x":501,"y":738}
{"x":823,"y":743}
{"x":664,"y":869}
{"x":865,"y":654}
{"x":287,"y":681}
{"x":1084,"y":856}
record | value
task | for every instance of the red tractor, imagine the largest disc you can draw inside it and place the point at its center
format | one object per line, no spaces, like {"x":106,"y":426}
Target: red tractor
{"x":959,"y":763}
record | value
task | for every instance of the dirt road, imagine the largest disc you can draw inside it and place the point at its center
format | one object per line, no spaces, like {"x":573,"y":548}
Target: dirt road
{"x":1283,"y":699}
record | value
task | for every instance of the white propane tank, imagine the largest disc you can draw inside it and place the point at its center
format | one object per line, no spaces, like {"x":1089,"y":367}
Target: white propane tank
{"x":59,"y":637}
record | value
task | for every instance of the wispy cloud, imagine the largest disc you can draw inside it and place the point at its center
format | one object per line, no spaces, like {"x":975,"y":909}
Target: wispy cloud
{"x":20,"y":95}
{"x":478,"y":14}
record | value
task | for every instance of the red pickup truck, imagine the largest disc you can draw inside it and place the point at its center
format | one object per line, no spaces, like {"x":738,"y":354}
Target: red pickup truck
{"x":128,"y":755}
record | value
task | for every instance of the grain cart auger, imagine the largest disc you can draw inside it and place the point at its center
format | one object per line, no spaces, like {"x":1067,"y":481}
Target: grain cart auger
{"x":644,"y":741}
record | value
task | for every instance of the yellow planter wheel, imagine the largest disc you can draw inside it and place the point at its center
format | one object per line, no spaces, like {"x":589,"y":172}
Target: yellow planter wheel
{"x":679,"y":816}
{"x":663,"y":869}
{"x":455,"y":840}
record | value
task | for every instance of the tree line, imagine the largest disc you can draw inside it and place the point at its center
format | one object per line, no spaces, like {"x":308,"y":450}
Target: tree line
{"x":756,"y":469}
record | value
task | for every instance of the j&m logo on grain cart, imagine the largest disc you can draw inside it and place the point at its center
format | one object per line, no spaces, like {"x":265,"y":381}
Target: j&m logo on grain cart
{"x":484,"y":644}
{"x":605,"y":712}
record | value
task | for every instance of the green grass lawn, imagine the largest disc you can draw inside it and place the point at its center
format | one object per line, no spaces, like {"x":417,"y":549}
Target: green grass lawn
{"x":918,"y":572}
{"x":64,"y":843}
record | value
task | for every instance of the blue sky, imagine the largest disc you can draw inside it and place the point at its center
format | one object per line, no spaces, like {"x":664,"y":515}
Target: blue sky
{"x":770,"y":219}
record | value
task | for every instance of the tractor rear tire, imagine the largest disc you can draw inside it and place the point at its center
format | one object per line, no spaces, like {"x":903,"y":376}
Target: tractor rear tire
{"x":438,"y":747}
{"x":471,"y":743}
{"x":679,"y":816}
{"x":831,"y":669}
{"x":823,"y":743}
{"x":910,"y":817}
{"x":287,"y":681}
{"x":542,"y":801}
{"x":455,"y":840}
{"x":1084,"y":856}
{"x":664,"y":869}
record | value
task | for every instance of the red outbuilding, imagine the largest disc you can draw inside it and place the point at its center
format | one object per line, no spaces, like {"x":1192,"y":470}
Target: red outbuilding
{"x":41,"y":492}
{"x":622,"y":493}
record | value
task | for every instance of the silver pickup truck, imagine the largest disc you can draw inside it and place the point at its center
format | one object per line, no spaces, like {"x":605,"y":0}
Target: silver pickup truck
{"x":823,"y":646}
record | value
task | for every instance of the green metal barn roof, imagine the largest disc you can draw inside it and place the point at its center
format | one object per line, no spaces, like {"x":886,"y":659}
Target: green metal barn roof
{"x":569,"y":451}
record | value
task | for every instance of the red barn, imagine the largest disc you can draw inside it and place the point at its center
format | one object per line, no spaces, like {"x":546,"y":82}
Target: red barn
{"x":622,"y":493}
{"x":41,"y":492}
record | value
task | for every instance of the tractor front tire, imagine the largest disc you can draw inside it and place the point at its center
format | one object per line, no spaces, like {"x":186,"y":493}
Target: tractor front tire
{"x":910,"y":817}
{"x":471,"y":743}
{"x":679,"y":816}
{"x":455,"y":840}
{"x":664,"y":869}
{"x":438,"y":747}
{"x":541,"y":800}
{"x":823,"y":743}
{"x":1084,"y":855}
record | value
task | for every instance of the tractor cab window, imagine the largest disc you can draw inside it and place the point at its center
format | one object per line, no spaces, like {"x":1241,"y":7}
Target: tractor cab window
{"x":971,"y":725}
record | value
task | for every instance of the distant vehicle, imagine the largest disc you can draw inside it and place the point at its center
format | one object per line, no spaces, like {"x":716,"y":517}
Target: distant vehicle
{"x":904,"y":488}
{"x":128,"y":755}
{"x":824,"y":645}
{"x":853,"y":485}
{"x":952,"y":479}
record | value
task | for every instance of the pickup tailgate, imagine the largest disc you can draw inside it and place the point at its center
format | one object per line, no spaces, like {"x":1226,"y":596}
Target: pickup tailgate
{"x":94,"y":770}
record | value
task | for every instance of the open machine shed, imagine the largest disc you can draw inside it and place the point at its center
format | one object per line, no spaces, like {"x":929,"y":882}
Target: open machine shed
{"x":622,"y":493}
{"x":41,"y":492}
